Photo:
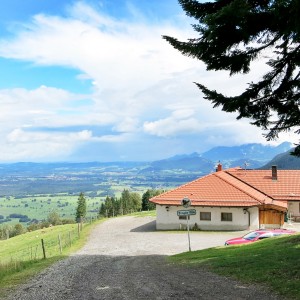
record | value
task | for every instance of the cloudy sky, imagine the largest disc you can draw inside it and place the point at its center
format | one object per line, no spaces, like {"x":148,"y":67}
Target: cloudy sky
{"x":93,"y":80}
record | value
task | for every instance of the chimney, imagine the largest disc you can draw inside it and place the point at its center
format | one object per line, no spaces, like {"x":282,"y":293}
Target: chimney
{"x":274,"y":173}
{"x":219,"y":167}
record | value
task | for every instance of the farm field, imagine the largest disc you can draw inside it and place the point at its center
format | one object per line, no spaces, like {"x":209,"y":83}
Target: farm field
{"x":40,"y":206}
{"x":36,"y":190}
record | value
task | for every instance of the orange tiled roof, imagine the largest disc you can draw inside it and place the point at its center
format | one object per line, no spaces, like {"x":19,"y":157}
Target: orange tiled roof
{"x":285,"y":188}
{"x":237,"y":187}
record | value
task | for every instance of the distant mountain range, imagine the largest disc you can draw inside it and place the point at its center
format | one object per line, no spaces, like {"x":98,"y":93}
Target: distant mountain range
{"x":104,"y":178}
{"x":251,"y":156}
{"x":257,"y":152}
{"x":284,"y":161}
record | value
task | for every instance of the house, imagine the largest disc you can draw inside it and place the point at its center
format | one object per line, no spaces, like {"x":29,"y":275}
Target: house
{"x":232,"y":199}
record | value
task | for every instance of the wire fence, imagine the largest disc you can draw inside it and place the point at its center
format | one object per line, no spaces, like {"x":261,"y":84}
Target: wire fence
{"x":41,"y":249}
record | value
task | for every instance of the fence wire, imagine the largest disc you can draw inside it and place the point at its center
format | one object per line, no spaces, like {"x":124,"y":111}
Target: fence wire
{"x":53,"y":247}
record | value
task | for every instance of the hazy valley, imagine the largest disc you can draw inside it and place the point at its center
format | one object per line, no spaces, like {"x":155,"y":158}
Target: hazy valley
{"x":36,"y":189}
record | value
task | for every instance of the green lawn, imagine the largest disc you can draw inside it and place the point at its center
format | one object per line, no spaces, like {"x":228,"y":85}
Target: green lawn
{"x":274,"y":262}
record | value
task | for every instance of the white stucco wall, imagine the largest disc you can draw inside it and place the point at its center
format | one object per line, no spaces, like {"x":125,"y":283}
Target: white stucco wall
{"x":294,"y":207}
{"x":168,"y":219}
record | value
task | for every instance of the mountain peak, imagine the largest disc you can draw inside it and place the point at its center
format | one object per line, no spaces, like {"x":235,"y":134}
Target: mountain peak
{"x":246,"y":151}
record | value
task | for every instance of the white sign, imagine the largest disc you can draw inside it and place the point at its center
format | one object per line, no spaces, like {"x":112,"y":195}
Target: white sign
{"x":189,"y":212}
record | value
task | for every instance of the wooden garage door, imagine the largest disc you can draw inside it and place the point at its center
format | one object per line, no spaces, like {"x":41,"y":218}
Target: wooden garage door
{"x":273,"y":217}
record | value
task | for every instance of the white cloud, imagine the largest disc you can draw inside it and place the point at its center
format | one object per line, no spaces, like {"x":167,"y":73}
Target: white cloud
{"x":23,"y":145}
{"x":34,"y":146}
{"x":39,"y":107}
{"x":172,"y":127}
{"x":19,"y":135}
{"x":140,"y":85}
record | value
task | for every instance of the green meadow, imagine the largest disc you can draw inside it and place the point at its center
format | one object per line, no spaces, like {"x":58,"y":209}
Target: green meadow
{"x":39,"y":206}
{"x":28,"y":246}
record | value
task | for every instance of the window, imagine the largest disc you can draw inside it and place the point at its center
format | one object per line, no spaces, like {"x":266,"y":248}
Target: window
{"x":226,"y":217}
{"x":251,"y":236}
{"x":183,"y":217}
{"x":205,"y":216}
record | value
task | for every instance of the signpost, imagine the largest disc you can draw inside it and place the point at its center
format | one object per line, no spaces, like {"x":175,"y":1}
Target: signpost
{"x":188,"y":212}
{"x":186,"y":202}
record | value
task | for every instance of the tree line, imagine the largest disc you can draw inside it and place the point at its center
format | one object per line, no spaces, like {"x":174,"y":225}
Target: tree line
{"x":129,"y":202}
{"x":53,"y":219}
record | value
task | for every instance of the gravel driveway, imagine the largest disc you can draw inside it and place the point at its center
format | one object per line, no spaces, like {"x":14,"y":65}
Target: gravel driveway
{"x":125,"y":258}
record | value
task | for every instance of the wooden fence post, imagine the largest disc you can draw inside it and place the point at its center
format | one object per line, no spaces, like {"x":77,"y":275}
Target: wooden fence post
{"x":59,"y":242}
{"x":43,"y":247}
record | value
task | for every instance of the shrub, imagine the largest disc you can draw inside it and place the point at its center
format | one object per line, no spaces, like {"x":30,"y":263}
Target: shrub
{"x":67,"y":221}
{"x":24,"y":220}
{"x":17,"y":216}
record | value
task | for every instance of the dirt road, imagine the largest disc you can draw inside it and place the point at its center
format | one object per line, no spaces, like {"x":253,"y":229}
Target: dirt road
{"x":125,"y":258}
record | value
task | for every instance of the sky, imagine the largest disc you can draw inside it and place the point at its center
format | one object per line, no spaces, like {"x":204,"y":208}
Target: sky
{"x":93,"y":80}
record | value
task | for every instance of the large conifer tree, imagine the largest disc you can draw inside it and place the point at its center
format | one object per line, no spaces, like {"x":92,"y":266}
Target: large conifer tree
{"x":232,"y":34}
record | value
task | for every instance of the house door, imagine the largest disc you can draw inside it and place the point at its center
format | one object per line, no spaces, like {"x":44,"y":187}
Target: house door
{"x":271,"y":218}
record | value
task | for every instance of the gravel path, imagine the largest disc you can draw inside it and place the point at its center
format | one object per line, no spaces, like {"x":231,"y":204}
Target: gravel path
{"x":125,"y":258}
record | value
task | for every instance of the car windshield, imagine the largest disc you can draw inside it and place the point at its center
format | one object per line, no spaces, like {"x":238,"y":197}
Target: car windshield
{"x":251,"y":235}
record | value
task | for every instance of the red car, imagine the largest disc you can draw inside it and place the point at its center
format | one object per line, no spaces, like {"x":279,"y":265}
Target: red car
{"x":257,"y":235}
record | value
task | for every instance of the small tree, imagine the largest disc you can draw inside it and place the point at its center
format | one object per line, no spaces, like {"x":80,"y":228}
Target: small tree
{"x":145,"y":200}
{"x":136,"y":201}
{"x":146,"y":204}
{"x":125,"y":201}
{"x":102,"y":210}
{"x":6,"y":231}
{"x":81,"y":208}
{"x":18,"y":229}
{"x":110,"y":208}
{"x":54,"y":218}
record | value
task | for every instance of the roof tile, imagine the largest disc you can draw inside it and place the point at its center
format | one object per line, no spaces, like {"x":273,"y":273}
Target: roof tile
{"x":237,"y":187}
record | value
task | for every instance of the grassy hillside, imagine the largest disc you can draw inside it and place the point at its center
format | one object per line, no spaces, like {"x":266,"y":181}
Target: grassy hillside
{"x":272,"y":262}
{"x":22,"y":257}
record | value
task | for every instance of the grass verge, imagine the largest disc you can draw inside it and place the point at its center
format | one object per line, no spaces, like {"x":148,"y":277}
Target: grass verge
{"x":272,"y":262}
{"x":150,"y":213}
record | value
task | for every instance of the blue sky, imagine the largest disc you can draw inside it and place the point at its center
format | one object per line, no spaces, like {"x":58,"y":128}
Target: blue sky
{"x":93,"y":80}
